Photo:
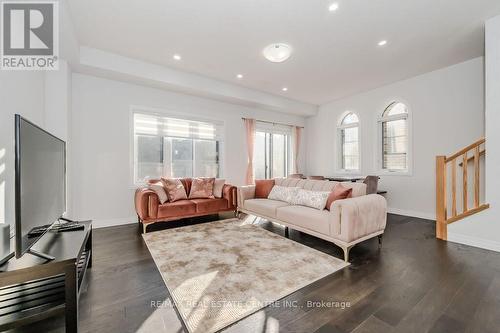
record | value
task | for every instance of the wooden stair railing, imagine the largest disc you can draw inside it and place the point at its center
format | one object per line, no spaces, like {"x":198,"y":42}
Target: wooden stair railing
{"x":442,"y":162}
{"x":472,"y":157}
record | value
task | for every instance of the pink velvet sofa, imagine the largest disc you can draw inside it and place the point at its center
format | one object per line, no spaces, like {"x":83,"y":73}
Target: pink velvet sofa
{"x":149,"y":210}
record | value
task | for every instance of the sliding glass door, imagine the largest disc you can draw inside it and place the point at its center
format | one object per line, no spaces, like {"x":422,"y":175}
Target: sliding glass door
{"x":272,"y":155}
{"x":261,"y":155}
{"x":279,"y":155}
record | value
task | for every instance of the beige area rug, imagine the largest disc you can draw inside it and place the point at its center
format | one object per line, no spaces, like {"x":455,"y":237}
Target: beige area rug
{"x":221,"y":272}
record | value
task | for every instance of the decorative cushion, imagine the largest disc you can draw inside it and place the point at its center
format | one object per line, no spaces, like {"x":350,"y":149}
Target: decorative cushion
{"x":338,"y":193}
{"x":174,"y":188}
{"x":160,"y":191}
{"x":187,"y":184}
{"x":358,"y":189}
{"x":263,"y":187}
{"x":218,"y":186}
{"x":202,"y":188}
{"x":313,"y":199}
{"x":283,"y":193}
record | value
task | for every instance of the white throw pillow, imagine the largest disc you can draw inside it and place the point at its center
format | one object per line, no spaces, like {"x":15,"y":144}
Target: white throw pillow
{"x":313,"y":199}
{"x":218,"y":186}
{"x":283,"y":193}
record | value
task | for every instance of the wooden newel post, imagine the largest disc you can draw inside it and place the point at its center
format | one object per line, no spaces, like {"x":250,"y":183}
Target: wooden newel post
{"x":441,"y":231}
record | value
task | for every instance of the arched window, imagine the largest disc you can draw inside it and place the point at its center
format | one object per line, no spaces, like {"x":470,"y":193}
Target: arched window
{"x":349,"y":142}
{"x":394,"y":125}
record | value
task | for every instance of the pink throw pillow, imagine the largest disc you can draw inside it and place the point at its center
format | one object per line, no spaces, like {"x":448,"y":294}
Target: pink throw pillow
{"x":202,"y":188}
{"x":339,"y":192}
{"x":174,"y":188}
{"x":218,"y":187}
{"x":160,"y":191}
{"x":263,"y":188}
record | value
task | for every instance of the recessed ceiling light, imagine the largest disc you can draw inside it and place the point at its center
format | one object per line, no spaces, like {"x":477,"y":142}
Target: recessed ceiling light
{"x":277,"y":52}
{"x":382,"y":43}
{"x":239,"y":76}
{"x":177,"y":57}
{"x":285,"y":89}
{"x":333,"y":7}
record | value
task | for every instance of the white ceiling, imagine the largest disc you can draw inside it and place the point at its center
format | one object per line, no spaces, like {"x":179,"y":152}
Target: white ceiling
{"x":335,"y":53}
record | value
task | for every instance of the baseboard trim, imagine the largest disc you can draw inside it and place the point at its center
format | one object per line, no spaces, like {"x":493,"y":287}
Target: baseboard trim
{"x":104,"y":223}
{"x":474,"y":241}
{"x":411,"y":213}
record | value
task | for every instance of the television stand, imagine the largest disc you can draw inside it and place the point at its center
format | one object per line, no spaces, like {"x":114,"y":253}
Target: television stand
{"x":32,"y":289}
{"x":41,"y":255}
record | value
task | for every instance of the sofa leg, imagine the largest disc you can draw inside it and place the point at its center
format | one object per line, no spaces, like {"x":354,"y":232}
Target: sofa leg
{"x":380,"y":240}
{"x":144,"y":228}
{"x":346,"y":252}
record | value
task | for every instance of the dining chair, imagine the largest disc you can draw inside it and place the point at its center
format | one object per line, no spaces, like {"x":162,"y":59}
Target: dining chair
{"x":371,"y":184}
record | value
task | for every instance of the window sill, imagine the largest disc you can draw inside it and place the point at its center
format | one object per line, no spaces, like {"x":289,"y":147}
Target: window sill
{"x":343,"y":172}
{"x":406,"y":173}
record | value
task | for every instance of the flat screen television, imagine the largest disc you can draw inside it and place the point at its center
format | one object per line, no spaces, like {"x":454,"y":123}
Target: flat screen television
{"x":40,"y":181}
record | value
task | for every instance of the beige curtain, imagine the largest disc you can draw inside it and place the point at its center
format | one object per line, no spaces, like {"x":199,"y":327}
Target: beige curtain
{"x":250,"y":132}
{"x":297,"y":135}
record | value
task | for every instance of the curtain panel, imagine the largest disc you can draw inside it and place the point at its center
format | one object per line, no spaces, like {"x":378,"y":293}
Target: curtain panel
{"x":250,"y":134}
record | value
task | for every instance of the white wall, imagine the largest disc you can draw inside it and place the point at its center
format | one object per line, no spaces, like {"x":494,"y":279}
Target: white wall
{"x":483,"y":229}
{"x":100,"y":134}
{"x":57,"y":100}
{"x":20,"y":92}
{"x":57,"y":115}
{"x":447,"y":111}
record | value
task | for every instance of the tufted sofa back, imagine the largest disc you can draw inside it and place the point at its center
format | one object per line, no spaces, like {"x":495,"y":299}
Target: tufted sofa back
{"x":358,"y":189}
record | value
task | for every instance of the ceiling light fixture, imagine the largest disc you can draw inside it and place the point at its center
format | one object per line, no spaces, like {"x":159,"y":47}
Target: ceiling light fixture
{"x":333,"y":7}
{"x":239,"y":76}
{"x":277,"y":52}
{"x":177,"y":57}
{"x":382,"y":43}
{"x":285,"y":89}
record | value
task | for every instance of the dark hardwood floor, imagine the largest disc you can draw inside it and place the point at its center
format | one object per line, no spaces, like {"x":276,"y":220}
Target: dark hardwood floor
{"x":413,"y":283}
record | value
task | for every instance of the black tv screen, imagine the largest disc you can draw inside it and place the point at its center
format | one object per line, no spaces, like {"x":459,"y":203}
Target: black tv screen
{"x":40,"y":181}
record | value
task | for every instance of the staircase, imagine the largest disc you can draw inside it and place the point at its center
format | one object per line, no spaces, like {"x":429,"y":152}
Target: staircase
{"x":447,"y":170}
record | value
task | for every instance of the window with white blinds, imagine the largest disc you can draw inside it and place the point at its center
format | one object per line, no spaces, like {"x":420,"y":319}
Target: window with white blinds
{"x":395,"y":138}
{"x":174,"y":147}
{"x":349,"y":143}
